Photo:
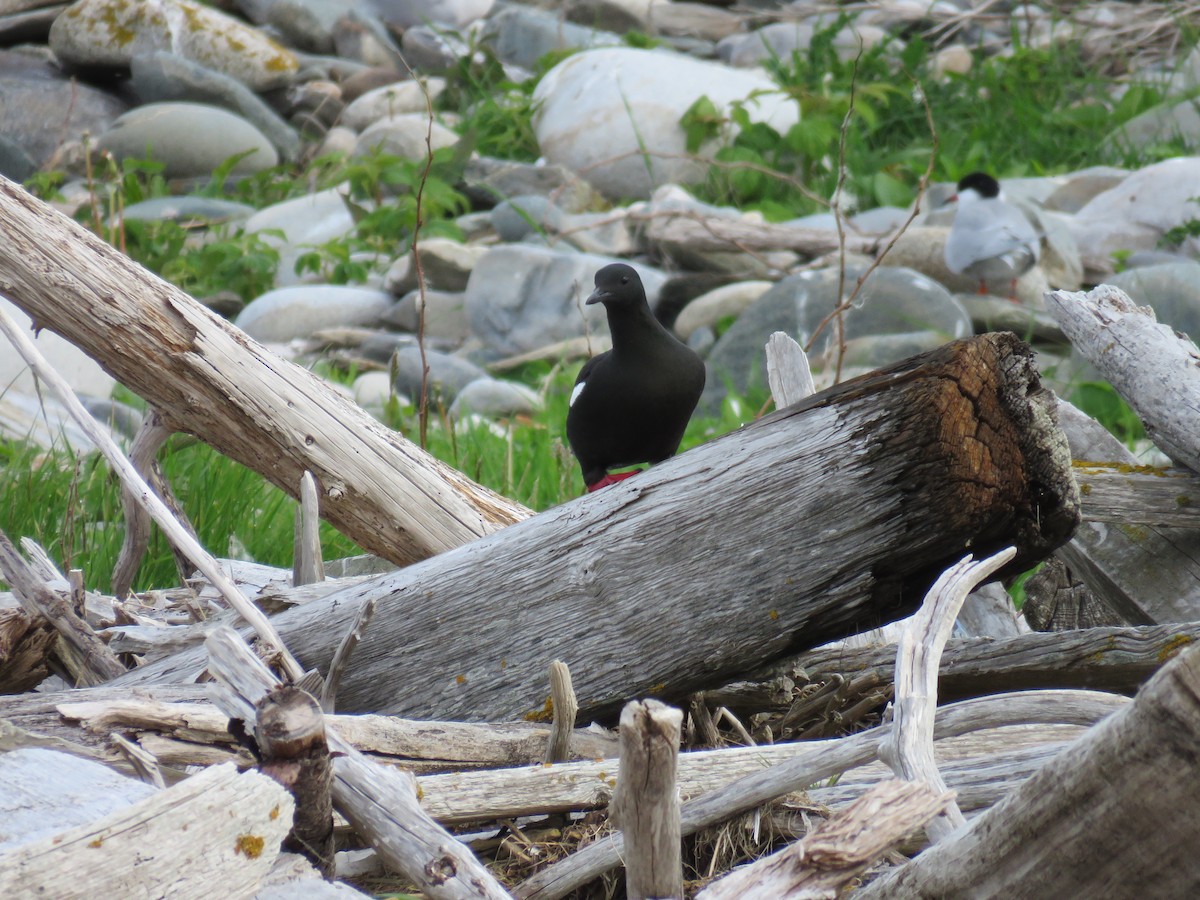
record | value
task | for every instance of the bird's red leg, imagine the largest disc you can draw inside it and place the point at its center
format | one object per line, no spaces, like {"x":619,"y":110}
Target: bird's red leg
{"x":1012,"y":291}
{"x":983,"y":288}
{"x":610,"y":478}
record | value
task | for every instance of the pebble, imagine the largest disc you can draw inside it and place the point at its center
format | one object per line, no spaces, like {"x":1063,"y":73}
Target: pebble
{"x":284,"y":314}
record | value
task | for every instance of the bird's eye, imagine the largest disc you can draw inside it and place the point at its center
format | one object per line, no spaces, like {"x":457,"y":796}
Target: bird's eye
{"x":624,"y":279}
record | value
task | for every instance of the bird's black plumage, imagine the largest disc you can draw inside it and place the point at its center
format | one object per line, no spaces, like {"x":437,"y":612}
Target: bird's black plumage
{"x":631,"y":404}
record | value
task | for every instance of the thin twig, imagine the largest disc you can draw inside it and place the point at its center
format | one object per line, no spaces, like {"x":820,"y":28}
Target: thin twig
{"x":341,"y":657}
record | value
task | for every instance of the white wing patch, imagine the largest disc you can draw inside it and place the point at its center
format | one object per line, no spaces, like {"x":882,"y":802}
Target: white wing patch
{"x":578,"y":389}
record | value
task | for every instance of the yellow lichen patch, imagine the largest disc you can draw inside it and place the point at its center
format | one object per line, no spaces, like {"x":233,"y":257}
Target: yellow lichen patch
{"x":97,"y":843}
{"x":1173,"y":646}
{"x":249,"y":845}
{"x":1085,"y":489}
{"x":1121,"y":468}
{"x":1183,"y":500}
{"x":460,"y":679}
{"x":658,"y":688}
{"x":774,"y":614}
{"x":545,"y":714}
{"x":274,"y":813}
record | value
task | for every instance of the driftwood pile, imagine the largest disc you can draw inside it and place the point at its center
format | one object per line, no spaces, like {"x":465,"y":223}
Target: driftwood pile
{"x":695,"y":604}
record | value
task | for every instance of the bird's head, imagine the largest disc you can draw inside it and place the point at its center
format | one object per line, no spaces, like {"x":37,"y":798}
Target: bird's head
{"x":618,"y":286}
{"x":976,"y":186}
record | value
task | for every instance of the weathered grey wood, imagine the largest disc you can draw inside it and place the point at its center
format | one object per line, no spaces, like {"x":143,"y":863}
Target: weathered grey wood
{"x":209,"y":379}
{"x":1146,"y":574}
{"x":380,"y":802}
{"x":827,"y":759}
{"x":788,"y":372}
{"x":142,"y":452}
{"x":908,"y":747}
{"x":645,"y":805}
{"x":904,"y":468}
{"x":175,"y":532}
{"x":180,"y":842}
{"x":308,"y":566}
{"x":566,"y":707}
{"x":989,"y":612}
{"x":290,"y":731}
{"x":1156,"y":369}
{"x":1116,"y":492}
{"x":344,"y":653}
{"x":1116,"y":815}
{"x":183,"y":713}
{"x":1110,"y":659}
{"x":92,"y":662}
{"x":836,"y":851}
{"x":1056,"y":599}
{"x":25,"y":644}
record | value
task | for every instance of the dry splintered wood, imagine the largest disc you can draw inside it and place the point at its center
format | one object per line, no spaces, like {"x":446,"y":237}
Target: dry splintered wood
{"x":25,"y":644}
{"x":1138,"y":495}
{"x":816,"y":762}
{"x":209,"y":379}
{"x":1110,"y":659}
{"x":908,"y":748}
{"x":380,"y":802}
{"x":645,"y":805}
{"x":700,"y":233}
{"x":93,"y":662}
{"x":906,"y":469}
{"x":1146,"y":574}
{"x":1116,"y":814}
{"x":1153,"y":367}
{"x":215,"y":834}
{"x":837,"y":850}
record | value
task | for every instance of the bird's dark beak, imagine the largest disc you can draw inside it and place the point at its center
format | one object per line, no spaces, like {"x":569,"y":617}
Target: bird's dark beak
{"x":599,"y":295}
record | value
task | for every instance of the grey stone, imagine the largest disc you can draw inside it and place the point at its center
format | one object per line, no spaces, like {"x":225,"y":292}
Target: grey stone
{"x":161,"y":76}
{"x":445,"y":314}
{"x":523,"y":34}
{"x":898,"y":312}
{"x":488,"y":180}
{"x":432,"y":50}
{"x":295,"y":226}
{"x":601,"y":111}
{"x":521,"y":297}
{"x":617,"y":16}
{"x":780,"y":40}
{"x":1171,"y":289}
{"x":190,"y":209}
{"x":15,"y":163}
{"x":695,"y":20}
{"x":80,"y":371}
{"x":34,"y":93}
{"x":392,"y":100}
{"x":404,"y":14}
{"x":447,"y":374}
{"x":1137,"y":212}
{"x":109,"y":33}
{"x":709,"y":309}
{"x":372,"y":390}
{"x":404,"y":136}
{"x":1161,"y":124}
{"x":189,"y":139}
{"x":307,"y":24}
{"x":287,"y":313}
{"x":1079,"y":188}
{"x":362,"y":37}
{"x":29,"y":27}
{"x":519,"y":217}
{"x":495,"y":399}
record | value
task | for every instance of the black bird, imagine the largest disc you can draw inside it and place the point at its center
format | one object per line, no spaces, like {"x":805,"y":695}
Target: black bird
{"x":631,"y":404}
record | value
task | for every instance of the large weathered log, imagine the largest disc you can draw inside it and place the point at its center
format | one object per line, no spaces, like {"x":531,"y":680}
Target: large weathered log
{"x":1117,"y":814}
{"x":905,"y":470}
{"x":209,"y":379}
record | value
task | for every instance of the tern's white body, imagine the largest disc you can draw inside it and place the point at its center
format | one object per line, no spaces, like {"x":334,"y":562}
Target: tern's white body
{"x":990,"y":240}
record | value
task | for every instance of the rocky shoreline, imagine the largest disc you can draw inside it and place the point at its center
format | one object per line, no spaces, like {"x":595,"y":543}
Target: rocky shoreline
{"x":287,"y":81}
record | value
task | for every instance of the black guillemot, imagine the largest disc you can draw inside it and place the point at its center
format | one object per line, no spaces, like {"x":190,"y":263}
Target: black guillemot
{"x":631,"y":404}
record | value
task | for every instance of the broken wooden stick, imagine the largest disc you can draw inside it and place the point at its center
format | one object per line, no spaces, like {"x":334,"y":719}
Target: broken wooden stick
{"x":209,"y":379}
{"x":645,"y":805}
{"x":379,"y":801}
{"x":307,"y":564}
{"x":562,"y":698}
{"x":908,"y":749}
{"x":906,"y":469}
{"x":838,"y":849}
{"x":93,"y":662}
{"x":1156,"y":369}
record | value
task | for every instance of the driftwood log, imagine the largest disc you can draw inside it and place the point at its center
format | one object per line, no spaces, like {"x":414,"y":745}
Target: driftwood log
{"x":895,"y":475}
{"x":1115,"y":815}
{"x":207,"y":378}
{"x":1152,"y":366}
